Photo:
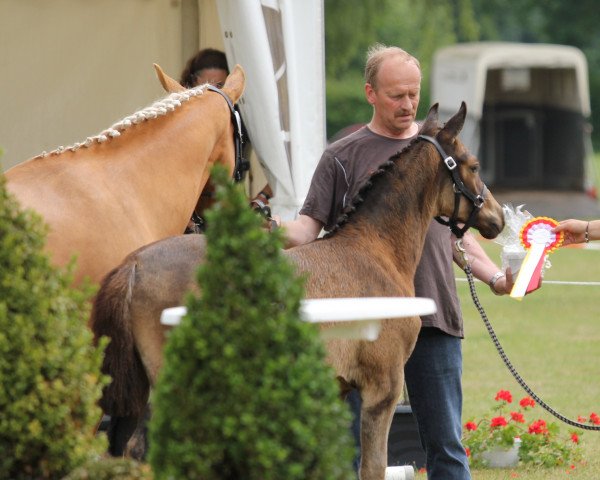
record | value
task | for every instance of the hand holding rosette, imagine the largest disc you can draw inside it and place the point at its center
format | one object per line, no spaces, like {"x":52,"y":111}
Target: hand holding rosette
{"x":538,"y":239}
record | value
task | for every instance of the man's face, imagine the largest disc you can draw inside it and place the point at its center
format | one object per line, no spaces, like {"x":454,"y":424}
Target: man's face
{"x":396,"y":95}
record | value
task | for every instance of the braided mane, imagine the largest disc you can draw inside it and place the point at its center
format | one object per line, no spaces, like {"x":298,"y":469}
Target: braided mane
{"x":157,"y":109}
{"x":375,"y":178}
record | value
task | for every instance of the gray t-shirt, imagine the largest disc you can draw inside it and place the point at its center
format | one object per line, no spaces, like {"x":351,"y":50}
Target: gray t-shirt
{"x":344,"y":168}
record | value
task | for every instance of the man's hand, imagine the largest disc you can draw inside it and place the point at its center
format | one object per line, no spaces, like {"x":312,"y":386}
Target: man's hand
{"x":505,"y":284}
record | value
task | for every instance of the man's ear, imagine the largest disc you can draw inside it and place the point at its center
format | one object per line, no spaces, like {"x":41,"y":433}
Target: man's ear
{"x":370,"y":93}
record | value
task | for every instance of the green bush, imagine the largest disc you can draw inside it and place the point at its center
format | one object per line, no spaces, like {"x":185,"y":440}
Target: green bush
{"x":112,"y":469}
{"x":49,"y":371}
{"x":244,"y":392}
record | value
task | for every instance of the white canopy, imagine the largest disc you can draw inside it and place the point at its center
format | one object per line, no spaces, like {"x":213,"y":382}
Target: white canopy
{"x":280,"y":44}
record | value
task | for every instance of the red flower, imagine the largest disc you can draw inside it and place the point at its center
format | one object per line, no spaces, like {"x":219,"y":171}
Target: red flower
{"x":517,"y":417}
{"x":504,"y":395}
{"x":594,"y":418}
{"x":574,"y":438}
{"x":471,"y":426}
{"x":468,"y":451}
{"x":538,"y":427}
{"x":527,"y":402}
{"x":582,"y":419}
{"x":498,"y":422}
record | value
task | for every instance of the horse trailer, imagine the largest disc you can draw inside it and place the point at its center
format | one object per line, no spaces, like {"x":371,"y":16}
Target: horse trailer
{"x":528,"y":112}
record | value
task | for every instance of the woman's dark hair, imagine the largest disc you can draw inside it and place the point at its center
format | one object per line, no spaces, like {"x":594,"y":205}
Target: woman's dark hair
{"x":207,"y":58}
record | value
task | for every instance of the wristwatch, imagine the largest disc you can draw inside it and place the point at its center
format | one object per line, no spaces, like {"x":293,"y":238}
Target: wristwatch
{"x":493,"y":280}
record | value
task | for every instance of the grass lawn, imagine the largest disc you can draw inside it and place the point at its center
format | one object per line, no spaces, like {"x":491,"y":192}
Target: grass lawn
{"x":552,"y":337}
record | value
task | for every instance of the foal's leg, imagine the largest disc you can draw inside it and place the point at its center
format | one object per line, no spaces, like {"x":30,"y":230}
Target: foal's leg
{"x":377,"y":411}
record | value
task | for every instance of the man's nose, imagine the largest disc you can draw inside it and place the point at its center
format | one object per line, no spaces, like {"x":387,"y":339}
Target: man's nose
{"x":405,"y":103}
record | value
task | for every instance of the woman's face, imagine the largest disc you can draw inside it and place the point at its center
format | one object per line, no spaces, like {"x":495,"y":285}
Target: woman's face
{"x":214,"y":76}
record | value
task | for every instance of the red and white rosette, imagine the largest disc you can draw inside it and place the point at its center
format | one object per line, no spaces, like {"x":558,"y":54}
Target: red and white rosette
{"x":539,"y":240}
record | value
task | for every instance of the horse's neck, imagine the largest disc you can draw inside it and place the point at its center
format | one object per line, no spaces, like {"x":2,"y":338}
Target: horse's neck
{"x":156,"y":169}
{"x":396,"y":212}
{"x":180,"y":144}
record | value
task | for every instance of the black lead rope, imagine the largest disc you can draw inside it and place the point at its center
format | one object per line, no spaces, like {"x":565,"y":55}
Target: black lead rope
{"x":505,"y":359}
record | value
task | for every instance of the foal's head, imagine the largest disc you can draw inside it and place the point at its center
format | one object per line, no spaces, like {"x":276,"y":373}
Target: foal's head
{"x":476,"y":205}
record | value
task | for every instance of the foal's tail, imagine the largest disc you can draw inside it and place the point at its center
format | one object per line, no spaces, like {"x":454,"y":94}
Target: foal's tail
{"x":128,"y":392}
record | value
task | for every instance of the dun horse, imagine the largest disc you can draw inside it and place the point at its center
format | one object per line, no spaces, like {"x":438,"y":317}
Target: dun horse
{"x":374,"y":251}
{"x":136,"y":182}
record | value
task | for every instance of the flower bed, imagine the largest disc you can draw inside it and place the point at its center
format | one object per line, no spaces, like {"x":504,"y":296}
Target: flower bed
{"x":542,"y":443}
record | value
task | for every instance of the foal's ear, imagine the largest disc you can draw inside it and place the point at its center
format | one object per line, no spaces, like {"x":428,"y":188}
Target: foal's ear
{"x":430,"y":124}
{"x":167,"y":82}
{"x":453,"y":126}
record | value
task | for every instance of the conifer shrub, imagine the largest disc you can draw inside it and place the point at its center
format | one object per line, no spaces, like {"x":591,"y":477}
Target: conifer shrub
{"x":49,"y":370}
{"x":245,"y":392}
{"x":112,"y":469}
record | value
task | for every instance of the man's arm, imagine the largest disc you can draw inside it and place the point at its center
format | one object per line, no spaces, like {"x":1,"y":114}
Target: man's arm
{"x":483,"y":267}
{"x":303,"y":229}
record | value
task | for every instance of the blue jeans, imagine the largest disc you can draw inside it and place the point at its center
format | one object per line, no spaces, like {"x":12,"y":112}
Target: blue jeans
{"x":433,"y":379}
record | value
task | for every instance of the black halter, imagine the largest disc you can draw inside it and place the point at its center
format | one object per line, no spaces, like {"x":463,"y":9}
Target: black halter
{"x":241,"y":164}
{"x":459,"y":189}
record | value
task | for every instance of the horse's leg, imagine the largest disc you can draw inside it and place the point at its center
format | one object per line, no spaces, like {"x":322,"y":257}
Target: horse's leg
{"x":149,"y":337}
{"x":137,"y":446}
{"x":120,"y":430}
{"x":377,"y":411}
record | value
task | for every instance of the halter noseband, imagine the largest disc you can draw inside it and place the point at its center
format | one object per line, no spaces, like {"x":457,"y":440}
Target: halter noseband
{"x":459,"y":189}
{"x":241,"y":164}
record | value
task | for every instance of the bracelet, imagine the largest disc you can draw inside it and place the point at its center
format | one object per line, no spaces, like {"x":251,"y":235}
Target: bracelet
{"x":492,"y":283}
{"x":587,"y":233}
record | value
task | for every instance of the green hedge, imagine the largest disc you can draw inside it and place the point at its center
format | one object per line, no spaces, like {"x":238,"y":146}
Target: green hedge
{"x":244,"y":392}
{"x":49,"y":371}
{"x":112,"y":469}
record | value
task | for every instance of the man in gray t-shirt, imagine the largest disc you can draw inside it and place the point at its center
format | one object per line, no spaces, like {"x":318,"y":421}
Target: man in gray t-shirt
{"x":433,"y":372}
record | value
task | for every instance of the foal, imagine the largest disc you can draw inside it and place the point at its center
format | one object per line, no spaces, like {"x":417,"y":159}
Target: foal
{"x":374,"y":251}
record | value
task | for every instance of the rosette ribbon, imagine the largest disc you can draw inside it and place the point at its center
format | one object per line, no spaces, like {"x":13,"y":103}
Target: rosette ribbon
{"x":537,"y":238}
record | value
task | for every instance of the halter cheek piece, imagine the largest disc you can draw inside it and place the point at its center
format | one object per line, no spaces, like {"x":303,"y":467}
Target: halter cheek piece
{"x":459,"y":189}
{"x":241,"y":164}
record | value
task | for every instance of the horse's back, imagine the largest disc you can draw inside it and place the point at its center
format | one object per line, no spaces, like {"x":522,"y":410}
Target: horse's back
{"x":165,"y":270}
{"x":334,"y":268}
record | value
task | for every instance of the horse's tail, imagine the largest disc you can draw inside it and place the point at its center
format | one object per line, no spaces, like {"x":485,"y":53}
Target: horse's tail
{"x":128,"y":392}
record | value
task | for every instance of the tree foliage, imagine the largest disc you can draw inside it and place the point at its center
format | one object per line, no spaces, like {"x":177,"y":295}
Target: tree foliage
{"x":425,"y":26}
{"x":413,"y":26}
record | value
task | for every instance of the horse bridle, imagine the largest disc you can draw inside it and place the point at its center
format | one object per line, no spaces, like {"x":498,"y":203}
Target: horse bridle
{"x":241,"y":164}
{"x":459,"y":189}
